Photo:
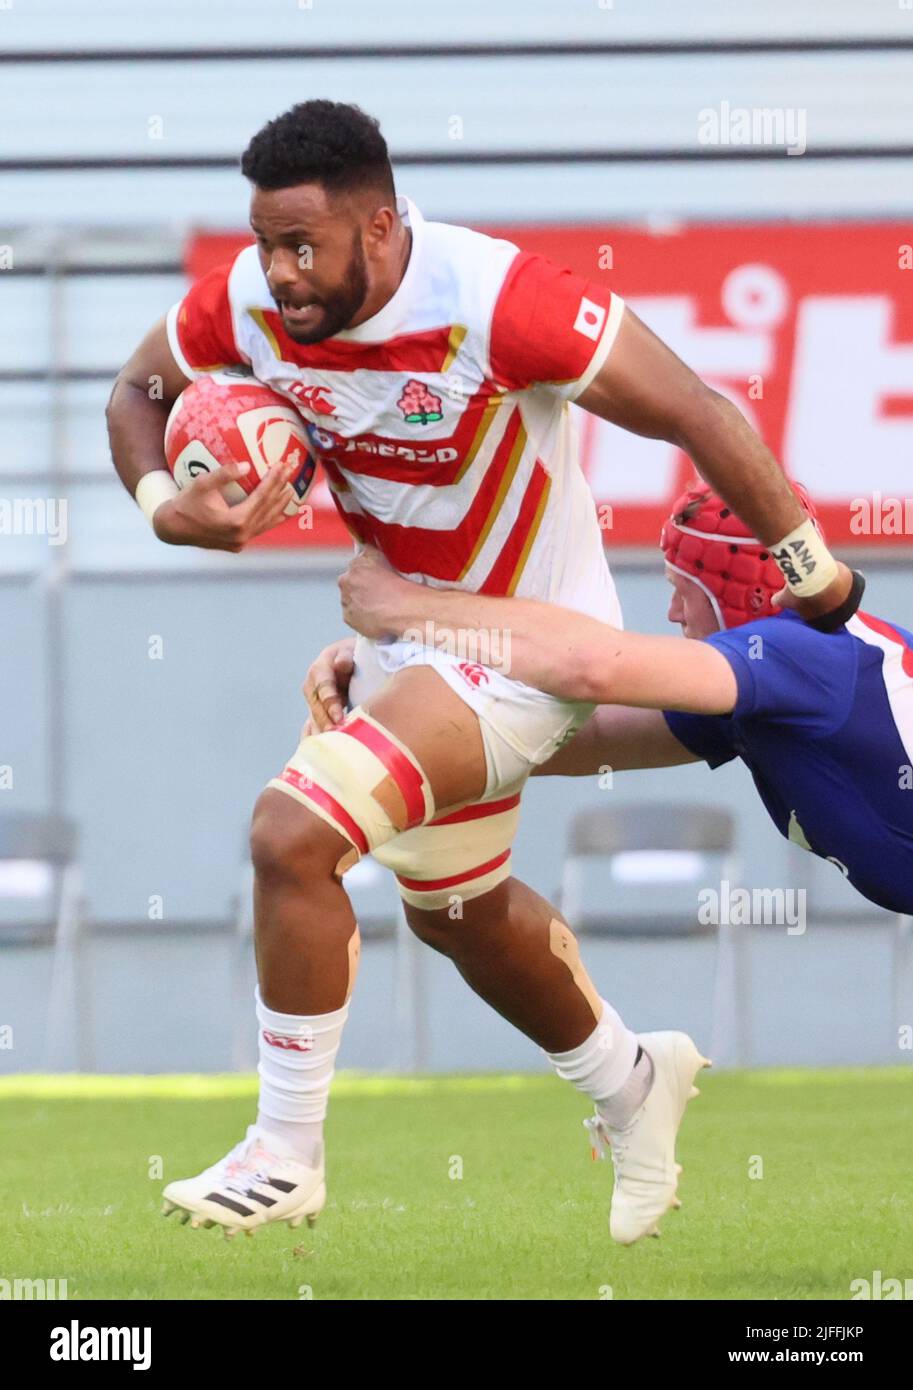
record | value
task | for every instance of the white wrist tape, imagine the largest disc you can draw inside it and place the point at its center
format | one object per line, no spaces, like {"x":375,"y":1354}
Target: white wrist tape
{"x":153,"y":489}
{"x":807,"y":564}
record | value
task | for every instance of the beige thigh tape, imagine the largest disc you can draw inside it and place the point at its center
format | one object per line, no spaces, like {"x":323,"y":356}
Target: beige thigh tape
{"x":461,"y":855}
{"x":563,"y":944}
{"x":368,"y":785}
{"x":354,"y":960}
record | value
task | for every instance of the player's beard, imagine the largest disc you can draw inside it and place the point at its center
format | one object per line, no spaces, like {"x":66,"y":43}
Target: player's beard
{"x":338,"y":310}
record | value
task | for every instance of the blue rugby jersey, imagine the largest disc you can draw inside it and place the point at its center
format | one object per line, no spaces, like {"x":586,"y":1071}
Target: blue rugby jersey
{"x":824,"y":723}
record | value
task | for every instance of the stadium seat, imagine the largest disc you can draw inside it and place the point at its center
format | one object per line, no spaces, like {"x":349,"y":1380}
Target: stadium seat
{"x":636,"y":870}
{"x":41,"y":887}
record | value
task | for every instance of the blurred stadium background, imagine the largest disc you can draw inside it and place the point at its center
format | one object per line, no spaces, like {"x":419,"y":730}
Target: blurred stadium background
{"x":577,"y":126}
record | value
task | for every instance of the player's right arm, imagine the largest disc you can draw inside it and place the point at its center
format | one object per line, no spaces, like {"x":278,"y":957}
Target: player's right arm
{"x":556,"y":650}
{"x":615,"y":737}
{"x":146,"y":388}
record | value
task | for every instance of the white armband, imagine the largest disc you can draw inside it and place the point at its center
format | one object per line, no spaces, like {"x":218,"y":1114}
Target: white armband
{"x":807,"y":565}
{"x":153,"y":489}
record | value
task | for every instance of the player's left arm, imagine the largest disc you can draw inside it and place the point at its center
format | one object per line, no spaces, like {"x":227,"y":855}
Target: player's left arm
{"x":556,"y":650}
{"x":645,"y":388}
{"x":564,"y":333}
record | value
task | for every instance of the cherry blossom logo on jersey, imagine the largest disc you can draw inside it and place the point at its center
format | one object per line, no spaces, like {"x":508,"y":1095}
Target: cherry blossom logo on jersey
{"x":473,"y":673}
{"x":419,"y":405}
{"x":316,"y":398}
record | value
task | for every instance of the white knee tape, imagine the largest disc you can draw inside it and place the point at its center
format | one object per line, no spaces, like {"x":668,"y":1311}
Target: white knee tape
{"x":361,"y":780}
{"x":456,"y":857}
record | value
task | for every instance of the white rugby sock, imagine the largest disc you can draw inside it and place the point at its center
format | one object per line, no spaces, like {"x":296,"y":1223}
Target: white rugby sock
{"x":603,"y":1068}
{"x":618,"y":1110}
{"x":297,"y":1060}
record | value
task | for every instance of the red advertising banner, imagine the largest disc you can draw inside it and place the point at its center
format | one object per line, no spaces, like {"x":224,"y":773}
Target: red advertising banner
{"x":808,"y":329}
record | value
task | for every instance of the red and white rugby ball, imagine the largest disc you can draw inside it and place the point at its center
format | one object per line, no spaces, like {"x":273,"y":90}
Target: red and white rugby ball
{"x":230,"y":417}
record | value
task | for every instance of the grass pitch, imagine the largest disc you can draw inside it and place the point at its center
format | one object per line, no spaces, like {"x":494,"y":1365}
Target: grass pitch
{"x":795,"y":1183}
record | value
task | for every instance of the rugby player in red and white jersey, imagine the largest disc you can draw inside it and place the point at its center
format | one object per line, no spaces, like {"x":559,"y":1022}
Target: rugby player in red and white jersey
{"x":434,"y":366}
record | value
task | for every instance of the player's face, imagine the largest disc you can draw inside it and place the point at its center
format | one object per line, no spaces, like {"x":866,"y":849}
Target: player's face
{"x":690,"y":607}
{"x":311,"y":251}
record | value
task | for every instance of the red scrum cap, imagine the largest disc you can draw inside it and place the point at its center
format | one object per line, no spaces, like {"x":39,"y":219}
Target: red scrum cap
{"x":705,"y":541}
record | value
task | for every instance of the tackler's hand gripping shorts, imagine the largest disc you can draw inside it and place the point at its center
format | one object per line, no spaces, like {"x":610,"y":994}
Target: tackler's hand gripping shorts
{"x":369,"y":786}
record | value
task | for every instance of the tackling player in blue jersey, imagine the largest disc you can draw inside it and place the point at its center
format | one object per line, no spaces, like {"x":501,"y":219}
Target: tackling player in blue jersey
{"x":823,"y":721}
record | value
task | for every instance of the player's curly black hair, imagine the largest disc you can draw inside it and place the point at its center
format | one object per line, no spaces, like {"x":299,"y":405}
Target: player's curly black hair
{"x":327,"y":142}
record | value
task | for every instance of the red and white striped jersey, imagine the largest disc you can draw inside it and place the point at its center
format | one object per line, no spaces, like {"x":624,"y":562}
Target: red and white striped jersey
{"x":442,"y":422}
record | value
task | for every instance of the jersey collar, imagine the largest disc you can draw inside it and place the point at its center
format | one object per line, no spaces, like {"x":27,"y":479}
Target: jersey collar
{"x":388,"y":321}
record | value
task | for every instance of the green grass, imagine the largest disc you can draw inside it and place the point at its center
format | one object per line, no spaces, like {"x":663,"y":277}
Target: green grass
{"x":527,"y":1220}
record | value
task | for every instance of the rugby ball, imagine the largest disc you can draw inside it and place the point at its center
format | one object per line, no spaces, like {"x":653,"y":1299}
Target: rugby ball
{"x":229,"y":416}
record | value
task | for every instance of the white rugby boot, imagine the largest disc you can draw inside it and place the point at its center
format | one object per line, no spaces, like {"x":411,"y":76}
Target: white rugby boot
{"x":259,"y":1181}
{"x":643,"y":1152}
